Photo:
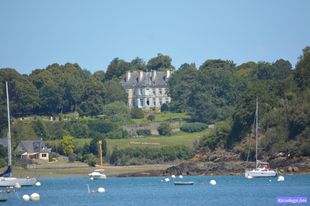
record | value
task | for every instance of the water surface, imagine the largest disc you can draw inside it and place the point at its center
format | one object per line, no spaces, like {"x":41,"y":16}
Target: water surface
{"x":150,"y":191}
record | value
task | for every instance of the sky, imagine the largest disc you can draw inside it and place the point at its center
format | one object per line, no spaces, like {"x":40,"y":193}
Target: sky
{"x":37,"y":33}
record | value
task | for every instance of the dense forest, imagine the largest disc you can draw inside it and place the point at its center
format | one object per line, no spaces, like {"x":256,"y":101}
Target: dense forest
{"x":218,"y":92}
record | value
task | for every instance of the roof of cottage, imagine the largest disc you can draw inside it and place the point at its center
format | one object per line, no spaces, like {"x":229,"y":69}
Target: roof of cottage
{"x":146,"y":81}
{"x":32,"y":146}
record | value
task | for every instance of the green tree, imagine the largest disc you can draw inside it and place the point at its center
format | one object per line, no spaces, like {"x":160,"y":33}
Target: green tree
{"x":67,"y":145}
{"x":117,"y":68}
{"x":181,"y":85}
{"x":302,"y":73}
{"x":115,"y":92}
{"x":137,"y":113}
{"x":160,"y":62}
{"x":137,"y":64}
{"x":116,"y":112}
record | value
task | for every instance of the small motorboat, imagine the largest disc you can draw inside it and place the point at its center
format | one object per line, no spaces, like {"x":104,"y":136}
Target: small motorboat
{"x":97,"y":174}
{"x":183,"y":183}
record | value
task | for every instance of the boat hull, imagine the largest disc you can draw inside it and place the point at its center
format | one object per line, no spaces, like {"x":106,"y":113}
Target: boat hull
{"x":183,"y":183}
{"x":12,"y":181}
{"x":97,"y":175}
{"x":259,"y":173}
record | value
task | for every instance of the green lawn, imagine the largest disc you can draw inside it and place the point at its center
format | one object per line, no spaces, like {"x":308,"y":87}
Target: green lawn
{"x":161,"y":117}
{"x":180,"y":138}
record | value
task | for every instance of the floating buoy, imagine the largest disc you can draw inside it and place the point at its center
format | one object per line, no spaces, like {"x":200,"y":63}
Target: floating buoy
{"x":26,"y":197}
{"x":249,"y":177}
{"x":91,"y":178}
{"x":212,"y":182}
{"x":173,"y":176}
{"x":35,"y":197}
{"x":17,"y":185}
{"x":101,"y":189}
{"x":38,"y":184}
{"x":269,"y":180}
{"x":180,"y":176}
{"x":280,"y":178}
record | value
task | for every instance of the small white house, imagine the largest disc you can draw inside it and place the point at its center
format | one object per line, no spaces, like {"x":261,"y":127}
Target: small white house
{"x":33,"y":149}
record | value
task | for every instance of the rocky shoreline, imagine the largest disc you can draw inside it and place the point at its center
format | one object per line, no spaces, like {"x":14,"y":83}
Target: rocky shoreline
{"x":218,"y":167}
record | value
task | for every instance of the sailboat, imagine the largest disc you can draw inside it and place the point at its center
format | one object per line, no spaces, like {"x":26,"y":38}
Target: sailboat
{"x":98,"y":173}
{"x":6,"y":179}
{"x":261,"y":169}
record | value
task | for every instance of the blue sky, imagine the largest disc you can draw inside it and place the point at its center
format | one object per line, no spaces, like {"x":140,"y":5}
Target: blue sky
{"x":36,"y":33}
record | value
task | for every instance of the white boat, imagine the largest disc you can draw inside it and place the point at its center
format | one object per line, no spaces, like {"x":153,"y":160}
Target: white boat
{"x":6,"y":179}
{"x":98,"y":173}
{"x":261,"y":169}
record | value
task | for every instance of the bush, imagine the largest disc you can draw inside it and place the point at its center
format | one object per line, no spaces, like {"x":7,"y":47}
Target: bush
{"x":193,"y":127}
{"x":164,"y":107}
{"x":118,"y":134}
{"x":137,"y":156}
{"x":151,"y":117}
{"x":144,"y":132}
{"x":91,"y":160}
{"x":164,"y":129}
{"x":137,"y":113}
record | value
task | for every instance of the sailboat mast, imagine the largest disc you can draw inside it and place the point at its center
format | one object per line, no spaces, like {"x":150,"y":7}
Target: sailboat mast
{"x":256,"y":131}
{"x":100,"y":152}
{"x":9,"y":126}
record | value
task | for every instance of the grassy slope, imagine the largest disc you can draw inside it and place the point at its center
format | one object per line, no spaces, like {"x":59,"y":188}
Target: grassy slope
{"x":180,"y":138}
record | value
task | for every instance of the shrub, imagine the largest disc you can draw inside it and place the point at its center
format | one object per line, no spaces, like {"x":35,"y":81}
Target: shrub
{"x":133,"y":156}
{"x":137,"y":113}
{"x":164,"y":107}
{"x":118,"y":134}
{"x":144,"y":132}
{"x":193,"y":127}
{"x":91,"y":160}
{"x":164,"y":129}
{"x":151,"y":117}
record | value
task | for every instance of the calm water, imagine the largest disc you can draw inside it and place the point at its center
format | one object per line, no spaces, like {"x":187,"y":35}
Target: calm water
{"x":150,"y":191}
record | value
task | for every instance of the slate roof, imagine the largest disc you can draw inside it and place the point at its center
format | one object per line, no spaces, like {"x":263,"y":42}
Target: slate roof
{"x":160,"y":80}
{"x":32,"y":146}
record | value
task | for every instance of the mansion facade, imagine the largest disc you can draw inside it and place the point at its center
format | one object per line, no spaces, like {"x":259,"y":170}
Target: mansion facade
{"x":147,"y":90}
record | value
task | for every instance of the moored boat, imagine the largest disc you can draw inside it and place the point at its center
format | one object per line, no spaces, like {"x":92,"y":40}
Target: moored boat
{"x":261,"y":169}
{"x":98,"y":173}
{"x":183,"y":183}
{"x":6,"y":179}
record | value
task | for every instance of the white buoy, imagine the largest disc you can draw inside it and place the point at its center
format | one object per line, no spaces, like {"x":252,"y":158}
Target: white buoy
{"x":212,"y":182}
{"x":26,"y":197}
{"x":173,"y":176}
{"x":91,"y":178}
{"x":38,"y":184}
{"x":101,"y":189}
{"x":17,"y":185}
{"x":280,"y":178}
{"x":167,"y":179}
{"x":250,"y":177}
{"x":35,"y":197}
{"x":180,"y":176}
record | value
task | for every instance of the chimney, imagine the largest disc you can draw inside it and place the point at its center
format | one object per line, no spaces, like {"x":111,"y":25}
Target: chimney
{"x":128,"y":76}
{"x":168,"y":72}
{"x":140,"y":75}
{"x":153,"y":75}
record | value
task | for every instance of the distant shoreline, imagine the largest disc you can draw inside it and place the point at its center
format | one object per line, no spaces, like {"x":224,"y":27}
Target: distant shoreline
{"x":132,"y":171}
